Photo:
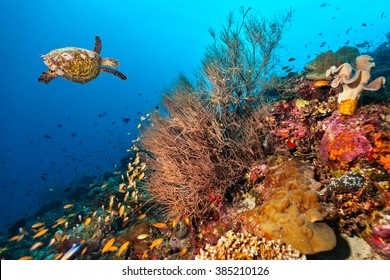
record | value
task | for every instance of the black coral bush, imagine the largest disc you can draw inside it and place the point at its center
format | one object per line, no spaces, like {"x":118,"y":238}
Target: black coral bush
{"x":207,"y":137}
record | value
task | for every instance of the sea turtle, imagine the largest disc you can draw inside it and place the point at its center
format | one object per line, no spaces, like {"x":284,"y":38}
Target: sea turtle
{"x":78,"y":65}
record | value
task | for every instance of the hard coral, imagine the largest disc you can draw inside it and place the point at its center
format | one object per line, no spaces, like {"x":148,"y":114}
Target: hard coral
{"x":352,"y":87}
{"x":244,"y":246}
{"x":317,"y":67}
{"x":292,"y":211}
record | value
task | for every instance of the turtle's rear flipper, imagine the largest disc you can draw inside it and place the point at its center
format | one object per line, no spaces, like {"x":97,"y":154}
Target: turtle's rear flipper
{"x":47,"y":76}
{"x":114,"y":72}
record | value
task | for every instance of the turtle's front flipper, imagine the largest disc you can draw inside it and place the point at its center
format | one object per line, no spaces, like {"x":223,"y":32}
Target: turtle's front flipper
{"x":47,"y":76}
{"x":114,"y":72}
{"x":98,"y":45}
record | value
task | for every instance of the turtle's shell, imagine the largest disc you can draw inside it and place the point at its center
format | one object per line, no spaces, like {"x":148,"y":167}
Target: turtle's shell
{"x":75,"y":64}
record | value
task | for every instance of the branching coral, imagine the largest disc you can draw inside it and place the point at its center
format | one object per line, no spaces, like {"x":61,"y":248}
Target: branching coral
{"x":244,"y":246}
{"x":352,"y":87}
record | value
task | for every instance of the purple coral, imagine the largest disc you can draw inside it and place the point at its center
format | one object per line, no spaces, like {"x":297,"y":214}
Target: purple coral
{"x":343,"y":141}
{"x":380,"y":239}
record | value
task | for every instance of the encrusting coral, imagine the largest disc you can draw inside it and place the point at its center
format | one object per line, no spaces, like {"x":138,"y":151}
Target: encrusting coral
{"x":352,"y":87}
{"x":292,"y":212}
{"x":244,"y":246}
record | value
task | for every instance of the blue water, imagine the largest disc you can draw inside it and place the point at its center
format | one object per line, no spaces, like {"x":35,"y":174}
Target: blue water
{"x":154,"y":41}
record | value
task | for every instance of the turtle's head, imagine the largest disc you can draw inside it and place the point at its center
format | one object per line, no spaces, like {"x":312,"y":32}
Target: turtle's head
{"x":110,"y":62}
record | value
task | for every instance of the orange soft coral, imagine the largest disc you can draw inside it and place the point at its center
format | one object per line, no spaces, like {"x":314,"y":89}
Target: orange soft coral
{"x":381,"y":149}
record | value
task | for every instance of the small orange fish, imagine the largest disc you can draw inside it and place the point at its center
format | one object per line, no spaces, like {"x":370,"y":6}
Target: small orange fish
{"x":175,"y":221}
{"x":39,"y":229}
{"x":145,"y":255}
{"x":141,"y":176}
{"x":60,"y":221}
{"x":36,"y":245}
{"x":58,"y":256}
{"x":122,"y":248}
{"x":183,"y":251}
{"x":15,"y":237}
{"x":321,"y":83}
{"x":25,"y":258}
{"x":141,"y":216}
{"x":121,"y":210}
{"x":156,"y":243}
{"x":84,"y":250}
{"x":87,"y":221}
{"x":63,"y":238}
{"x":113,"y":248}
{"x":108,"y":245}
{"x":57,"y":236}
{"x":68,"y":206}
{"x":40,"y":233}
{"x":159,"y":225}
{"x":37,"y":225}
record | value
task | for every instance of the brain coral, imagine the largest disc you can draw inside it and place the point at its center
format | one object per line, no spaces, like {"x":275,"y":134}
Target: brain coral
{"x":292,"y":212}
{"x":244,"y":246}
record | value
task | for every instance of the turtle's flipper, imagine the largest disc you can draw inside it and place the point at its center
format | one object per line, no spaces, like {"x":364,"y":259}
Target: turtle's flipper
{"x":98,"y":45}
{"x":114,"y":72}
{"x":47,"y":76}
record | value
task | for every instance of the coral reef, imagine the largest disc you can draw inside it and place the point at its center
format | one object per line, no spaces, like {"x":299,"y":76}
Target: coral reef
{"x":350,"y":182}
{"x":352,"y":87}
{"x":244,"y":246}
{"x":318,"y":66}
{"x":342,"y":141}
{"x":379,"y":237}
{"x":358,"y":138}
{"x":381,"y":149}
{"x":351,"y":200}
{"x":292,"y":211}
{"x":237,"y":165}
